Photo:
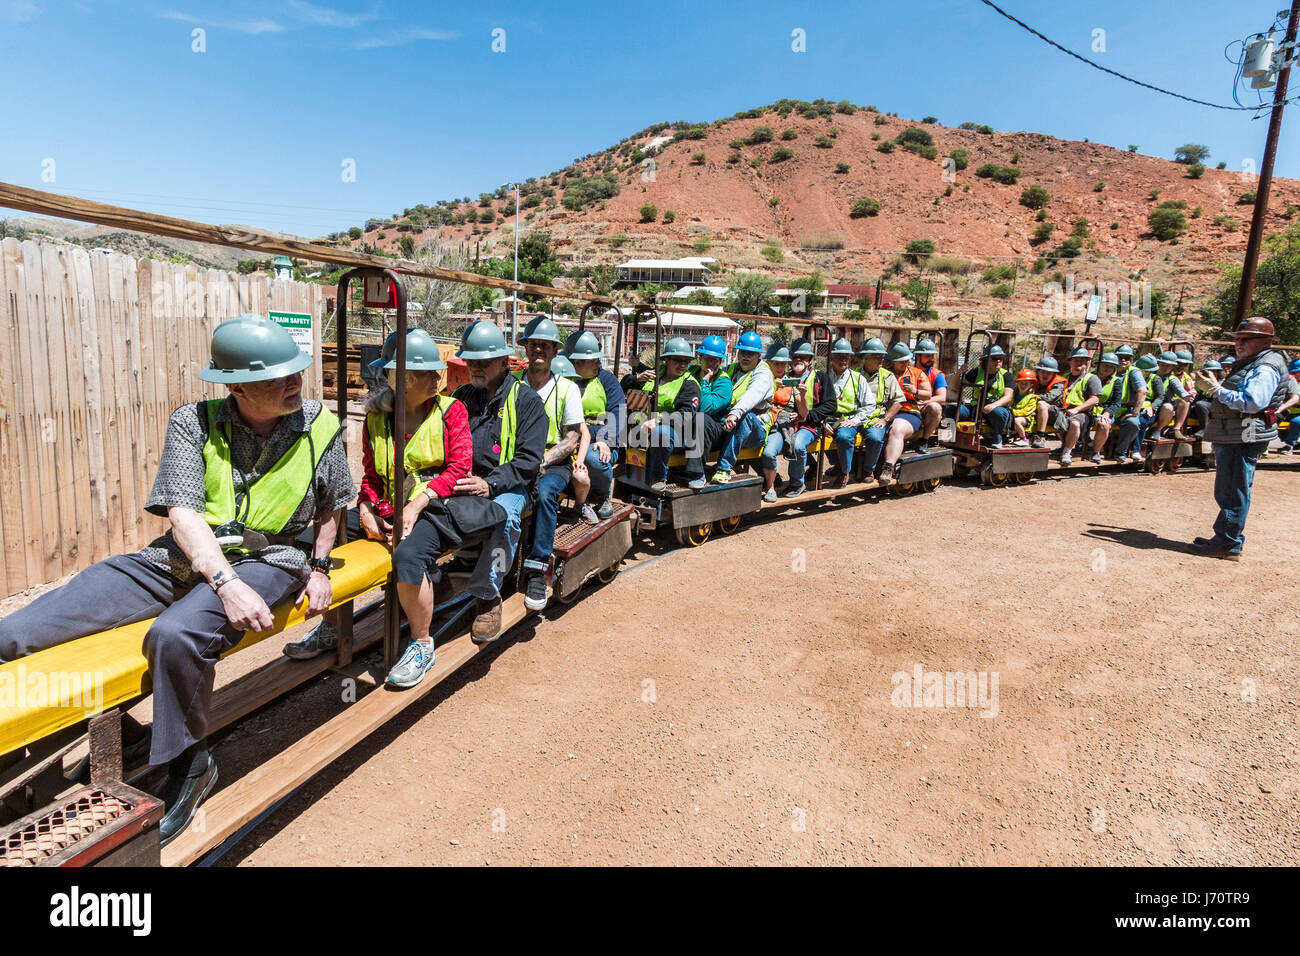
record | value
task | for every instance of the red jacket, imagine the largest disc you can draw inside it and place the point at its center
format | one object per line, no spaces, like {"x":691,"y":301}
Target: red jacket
{"x":458,"y":454}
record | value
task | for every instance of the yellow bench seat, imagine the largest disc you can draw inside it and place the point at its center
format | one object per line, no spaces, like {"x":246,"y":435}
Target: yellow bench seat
{"x":47,"y":691}
{"x":637,"y":456}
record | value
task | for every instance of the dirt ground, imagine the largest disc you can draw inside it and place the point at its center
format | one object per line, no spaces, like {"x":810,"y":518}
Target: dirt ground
{"x":740,"y":702}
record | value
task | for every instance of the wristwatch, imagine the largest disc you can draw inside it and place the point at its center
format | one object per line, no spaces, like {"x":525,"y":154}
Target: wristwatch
{"x":321,"y":564}
{"x":220,"y":579}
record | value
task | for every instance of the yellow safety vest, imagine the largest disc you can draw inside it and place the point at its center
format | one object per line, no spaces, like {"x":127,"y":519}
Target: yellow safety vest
{"x":272,"y":500}
{"x":848,"y":398}
{"x":555,"y":405}
{"x":424,"y":454}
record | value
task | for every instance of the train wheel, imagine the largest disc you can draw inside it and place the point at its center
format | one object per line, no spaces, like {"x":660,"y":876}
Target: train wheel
{"x":1173,"y":464}
{"x":989,"y":478}
{"x":1155,"y":465}
{"x":930,"y":484}
{"x":558,"y":594}
{"x":728,"y":525}
{"x":1023,"y":477}
{"x":694,"y":535}
{"x":608,"y":574}
{"x":902,"y":489}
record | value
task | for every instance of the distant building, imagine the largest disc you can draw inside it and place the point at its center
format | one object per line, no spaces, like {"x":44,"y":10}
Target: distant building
{"x":844,"y":297}
{"x":693,"y":270}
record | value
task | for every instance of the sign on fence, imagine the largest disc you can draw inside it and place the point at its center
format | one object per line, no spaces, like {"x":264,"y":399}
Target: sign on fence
{"x":298,"y":325}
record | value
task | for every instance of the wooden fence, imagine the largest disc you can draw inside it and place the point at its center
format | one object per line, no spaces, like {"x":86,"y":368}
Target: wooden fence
{"x":96,"y":351}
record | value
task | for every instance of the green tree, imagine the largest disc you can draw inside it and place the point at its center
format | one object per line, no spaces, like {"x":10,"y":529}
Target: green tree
{"x":1167,"y":222}
{"x":701,"y":297}
{"x":1277,"y":293}
{"x":919,"y":250}
{"x":1196,"y":170}
{"x":750,"y":293}
{"x":649,"y":212}
{"x":1035,"y":196}
{"x":1190,"y":153}
{"x":354,"y":232}
{"x":407,"y":245}
{"x":865,"y":206}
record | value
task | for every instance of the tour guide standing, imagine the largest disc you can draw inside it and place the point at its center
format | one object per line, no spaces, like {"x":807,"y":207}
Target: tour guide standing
{"x":1243,"y":420}
{"x":240,"y":479}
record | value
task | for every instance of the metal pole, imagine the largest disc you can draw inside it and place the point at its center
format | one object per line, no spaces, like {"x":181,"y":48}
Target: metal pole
{"x":1247,"y":289}
{"x":514,"y":307}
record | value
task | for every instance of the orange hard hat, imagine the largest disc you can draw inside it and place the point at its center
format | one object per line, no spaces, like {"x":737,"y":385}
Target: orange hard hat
{"x":1254,"y":326}
{"x":1026,"y":375}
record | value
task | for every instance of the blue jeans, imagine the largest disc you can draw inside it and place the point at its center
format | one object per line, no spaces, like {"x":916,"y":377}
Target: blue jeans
{"x":844,"y":439}
{"x":602,"y":474}
{"x":550,"y":488}
{"x":771,"y":448}
{"x":1145,"y":420}
{"x":873,"y":440}
{"x":748,"y":433}
{"x":798,"y":465}
{"x":1234,"y":473}
{"x":664,"y":440}
{"x":999,"y":420}
{"x":499,"y":549}
{"x":1293,"y":433}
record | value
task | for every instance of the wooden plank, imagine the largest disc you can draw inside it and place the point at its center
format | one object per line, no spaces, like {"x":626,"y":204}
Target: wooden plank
{"x":152,"y":398}
{"x":13,"y":571}
{"x":39,"y":315}
{"x":264,"y":243}
{"x":98,"y":452}
{"x":229,"y":809}
{"x":67,"y":363}
{"x":125,"y":319}
{"x":808,"y":497}
{"x":22,"y":435}
{"x":110,"y":343}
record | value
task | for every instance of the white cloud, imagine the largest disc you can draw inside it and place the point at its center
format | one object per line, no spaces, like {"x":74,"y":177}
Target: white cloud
{"x":17,"y":11}
{"x":327,"y":17}
{"x":259,"y":25}
{"x":400,"y":38}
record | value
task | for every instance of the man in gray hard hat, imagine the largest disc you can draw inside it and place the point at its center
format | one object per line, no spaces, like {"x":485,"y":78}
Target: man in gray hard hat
{"x":240,"y":478}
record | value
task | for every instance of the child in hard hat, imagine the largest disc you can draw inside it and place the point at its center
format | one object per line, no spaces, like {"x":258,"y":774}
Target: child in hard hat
{"x":1024,"y":406}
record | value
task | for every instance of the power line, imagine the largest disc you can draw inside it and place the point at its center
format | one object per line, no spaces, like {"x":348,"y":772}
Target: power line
{"x":1098,"y":66}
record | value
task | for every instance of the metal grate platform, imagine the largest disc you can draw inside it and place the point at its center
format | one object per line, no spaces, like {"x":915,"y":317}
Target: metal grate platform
{"x":85,"y":826}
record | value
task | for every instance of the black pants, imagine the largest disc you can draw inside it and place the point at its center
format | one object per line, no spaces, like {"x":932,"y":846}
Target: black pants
{"x":418,"y":553}
{"x":183,"y":645}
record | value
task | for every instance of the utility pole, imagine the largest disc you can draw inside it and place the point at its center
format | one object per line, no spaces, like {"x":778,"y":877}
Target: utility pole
{"x":514,"y":307}
{"x":1247,"y":289}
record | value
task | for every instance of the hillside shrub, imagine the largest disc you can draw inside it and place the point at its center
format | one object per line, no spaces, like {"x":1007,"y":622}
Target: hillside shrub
{"x":1035,"y":196}
{"x":865,"y":206}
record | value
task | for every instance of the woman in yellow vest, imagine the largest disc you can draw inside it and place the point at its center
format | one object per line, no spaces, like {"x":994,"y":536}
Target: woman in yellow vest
{"x":439,"y":452}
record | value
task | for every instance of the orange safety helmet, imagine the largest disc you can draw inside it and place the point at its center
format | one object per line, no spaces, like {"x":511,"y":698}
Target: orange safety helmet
{"x":1026,"y":375}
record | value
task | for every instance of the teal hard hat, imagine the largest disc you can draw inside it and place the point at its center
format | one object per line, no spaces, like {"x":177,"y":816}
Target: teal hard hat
{"x":899,"y":352}
{"x":873,"y":346}
{"x":1146,"y":363}
{"x":483,"y":340}
{"x":1109,"y":358}
{"x":801,"y":347}
{"x":582,"y":346}
{"x":1124,"y":350}
{"x":841,"y":347}
{"x":252,"y":348}
{"x":750,"y":342}
{"x":926,"y":347}
{"x":714,"y":346}
{"x":1080,"y":353}
{"x":1184,"y":356}
{"x":541,"y":328}
{"x":995,"y":352}
{"x":1228,"y":360}
{"x":421,"y":353}
{"x":561,"y":366}
{"x":778,"y":353}
{"x":1047,"y":364}
{"x":1213,"y":366}
{"x":677,"y":347}
{"x":1167,"y":358}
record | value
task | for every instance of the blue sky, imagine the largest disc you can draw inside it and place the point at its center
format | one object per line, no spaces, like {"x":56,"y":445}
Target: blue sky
{"x":256,"y":128}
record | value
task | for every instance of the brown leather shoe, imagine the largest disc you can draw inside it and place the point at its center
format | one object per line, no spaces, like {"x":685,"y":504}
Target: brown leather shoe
{"x":487,"y":622}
